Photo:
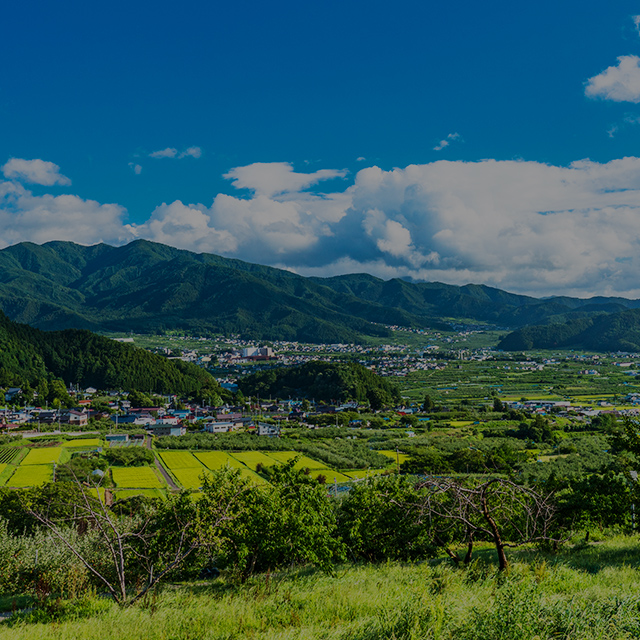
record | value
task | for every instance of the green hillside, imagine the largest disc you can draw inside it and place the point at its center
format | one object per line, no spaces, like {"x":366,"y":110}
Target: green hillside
{"x":605,"y":332}
{"x":151,"y":288}
{"x":28,"y":355}
{"x":328,"y":382}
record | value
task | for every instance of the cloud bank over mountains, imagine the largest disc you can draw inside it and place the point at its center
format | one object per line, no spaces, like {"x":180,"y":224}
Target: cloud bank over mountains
{"x":522,"y":226}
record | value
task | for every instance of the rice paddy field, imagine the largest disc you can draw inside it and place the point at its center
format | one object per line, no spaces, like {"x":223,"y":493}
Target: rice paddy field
{"x":218,"y":460}
{"x":86,"y":442}
{"x":47,"y":455}
{"x":136,"y":478}
{"x":396,"y":457}
{"x":31,"y":475}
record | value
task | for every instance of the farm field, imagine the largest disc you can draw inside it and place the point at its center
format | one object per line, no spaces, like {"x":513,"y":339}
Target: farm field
{"x":135,"y":478}
{"x":8,"y":454}
{"x":148,"y":493}
{"x":254,"y":458}
{"x":396,"y":457}
{"x":218,"y":460}
{"x":87,"y":442}
{"x":31,"y":475}
{"x":47,"y":455}
{"x":179,"y":459}
{"x":330,"y":475}
{"x":189,"y":478}
{"x":303,"y":463}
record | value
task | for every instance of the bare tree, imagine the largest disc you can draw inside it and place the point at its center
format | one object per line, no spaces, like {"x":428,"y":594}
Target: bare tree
{"x":141,"y":549}
{"x":499,"y":510}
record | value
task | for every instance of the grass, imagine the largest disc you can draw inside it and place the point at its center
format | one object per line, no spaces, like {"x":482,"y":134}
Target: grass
{"x":31,"y":475}
{"x":47,"y":455}
{"x":136,"y":478}
{"x":584,"y":594}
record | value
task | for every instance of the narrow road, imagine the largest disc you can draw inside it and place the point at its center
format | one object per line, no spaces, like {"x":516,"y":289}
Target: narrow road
{"x":165,"y":475}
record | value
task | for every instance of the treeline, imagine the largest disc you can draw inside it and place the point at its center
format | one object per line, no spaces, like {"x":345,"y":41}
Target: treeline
{"x":29,"y":356}
{"x":323,"y":381}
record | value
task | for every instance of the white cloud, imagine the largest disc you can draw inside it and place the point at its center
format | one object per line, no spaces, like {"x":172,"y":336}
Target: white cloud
{"x":620,"y":83}
{"x":169,"y":152}
{"x":26,"y":217}
{"x":270,"y":178}
{"x":193,"y":152}
{"x":360,"y":159}
{"x":521,"y":226}
{"x":447,"y":141}
{"x":136,"y":168}
{"x":34,"y":171}
{"x":636,"y":22}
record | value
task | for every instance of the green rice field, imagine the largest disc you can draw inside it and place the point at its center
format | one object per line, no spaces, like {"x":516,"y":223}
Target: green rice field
{"x":218,"y":460}
{"x":148,"y":493}
{"x":136,"y":478}
{"x":31,"y":475}
{"x":396,"y":457}
{"x":189,"y":478}
{"x":8,"y":454}
{"x":87,"y":442}
{"x":179,"y":459}
{"x":303,"y":463}
{"x":253,"y":458}
{"x":47,"y":455}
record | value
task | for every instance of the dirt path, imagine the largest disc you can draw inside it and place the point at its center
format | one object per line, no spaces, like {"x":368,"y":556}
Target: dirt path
{"x":163,"y":471}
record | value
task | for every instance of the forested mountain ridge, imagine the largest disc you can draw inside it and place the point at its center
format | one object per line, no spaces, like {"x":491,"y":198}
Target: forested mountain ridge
{"x":150,"y":287}
{"x":28,"y":356}
{"x":605,"y":332}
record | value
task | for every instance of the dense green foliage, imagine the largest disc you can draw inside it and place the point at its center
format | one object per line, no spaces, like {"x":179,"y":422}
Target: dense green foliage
{"x":604,"y":332}
{"x":30,"y":357}
{"x":323,"y":381}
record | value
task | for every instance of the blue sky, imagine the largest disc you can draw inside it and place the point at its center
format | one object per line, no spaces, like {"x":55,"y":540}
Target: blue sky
{"x":461,"y":142}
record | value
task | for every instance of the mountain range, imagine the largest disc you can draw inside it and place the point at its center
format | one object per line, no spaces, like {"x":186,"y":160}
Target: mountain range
{"x":149,"y":287}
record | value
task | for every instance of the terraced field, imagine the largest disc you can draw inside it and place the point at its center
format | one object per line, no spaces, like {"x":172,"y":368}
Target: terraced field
{"x":135,"y":478}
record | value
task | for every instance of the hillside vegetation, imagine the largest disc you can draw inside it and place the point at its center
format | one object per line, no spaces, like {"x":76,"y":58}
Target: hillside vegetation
{"x":605,"y":332}
{"x":322,"y":381}
{"x":28,"y":355}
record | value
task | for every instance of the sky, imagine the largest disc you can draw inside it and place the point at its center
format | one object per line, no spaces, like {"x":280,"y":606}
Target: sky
{"x":495,"y":143}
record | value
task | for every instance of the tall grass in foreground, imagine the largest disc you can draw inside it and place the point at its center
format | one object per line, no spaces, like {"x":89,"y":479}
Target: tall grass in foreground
{"x":583,"y":594}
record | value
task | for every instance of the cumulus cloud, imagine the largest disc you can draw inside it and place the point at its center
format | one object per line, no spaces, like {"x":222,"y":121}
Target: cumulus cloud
{"x":620,"y":83}
{"x":27,"y":217}
{"x":521,"y":226}
{"x":136,"y":168}
{"x":636,"y":22}
{"x":270,"y":178}
{"x":171,"y":152}
{"x":34,"y":171}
